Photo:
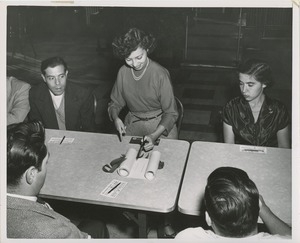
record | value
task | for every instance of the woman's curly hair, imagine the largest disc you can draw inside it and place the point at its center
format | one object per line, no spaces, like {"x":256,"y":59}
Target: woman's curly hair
{"x":125,"y":44}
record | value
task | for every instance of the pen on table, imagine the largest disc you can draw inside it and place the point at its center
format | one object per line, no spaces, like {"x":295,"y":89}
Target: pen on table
{"x":114,"y":188}
{"x":62,"y":139}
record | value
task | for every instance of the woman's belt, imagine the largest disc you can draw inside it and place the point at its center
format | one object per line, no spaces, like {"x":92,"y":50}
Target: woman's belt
{"x":146,"y":118}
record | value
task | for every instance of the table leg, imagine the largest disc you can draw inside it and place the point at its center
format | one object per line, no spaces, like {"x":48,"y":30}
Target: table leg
{"x":142,"y":222}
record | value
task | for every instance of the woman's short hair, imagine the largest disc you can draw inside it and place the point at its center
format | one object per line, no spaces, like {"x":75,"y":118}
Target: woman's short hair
{"x":128,"y":42}
{"x":258,"y":69}
{"x":53,"y":62}
{"x":232,"y":201}
{"x":25,"y":148}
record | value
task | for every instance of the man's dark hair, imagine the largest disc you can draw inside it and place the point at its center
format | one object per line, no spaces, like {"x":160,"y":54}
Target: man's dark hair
{"x":25,"y":147}
{"x":128,"y":42}
{"x":53,"y":62}
{"x":232,"y":202}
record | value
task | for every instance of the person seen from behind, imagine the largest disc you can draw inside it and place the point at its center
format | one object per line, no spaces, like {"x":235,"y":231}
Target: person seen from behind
{"x":28,"y":216}
{"x":233,"y":205}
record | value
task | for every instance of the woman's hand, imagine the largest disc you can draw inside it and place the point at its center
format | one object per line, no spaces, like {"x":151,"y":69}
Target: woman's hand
{"x":151,"y":138}
{"x":120,"y":127}
{"x":149,"y":144}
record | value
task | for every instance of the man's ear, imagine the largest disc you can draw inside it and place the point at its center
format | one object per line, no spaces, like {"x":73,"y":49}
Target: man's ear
{"x":43,"y":77}
{"x":30,"y":174}
{"x":67,"y":73}
{"x":264,"y":85}
{"x":208,"y":219}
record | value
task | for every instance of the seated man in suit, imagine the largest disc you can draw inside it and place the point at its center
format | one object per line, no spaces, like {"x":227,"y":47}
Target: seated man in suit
{"x":233,"y":206}
{"x":17,"y":101}
{"x":59,"y":104}
{"x":27,"y":216}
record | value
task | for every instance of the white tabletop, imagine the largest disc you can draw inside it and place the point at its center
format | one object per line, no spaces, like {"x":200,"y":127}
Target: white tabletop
{"x":270,"y":171}
{"x":75,"y":172}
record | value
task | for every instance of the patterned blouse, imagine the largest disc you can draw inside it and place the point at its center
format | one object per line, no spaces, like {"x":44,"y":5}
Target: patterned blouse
{"x":273,"y":117}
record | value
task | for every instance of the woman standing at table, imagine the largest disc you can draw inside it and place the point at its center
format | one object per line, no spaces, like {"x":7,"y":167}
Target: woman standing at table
{"x":145,"y":88}
{"x":254,"y":118}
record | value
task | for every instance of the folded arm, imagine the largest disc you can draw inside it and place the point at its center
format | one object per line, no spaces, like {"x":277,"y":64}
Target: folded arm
{"x":274,"y":224}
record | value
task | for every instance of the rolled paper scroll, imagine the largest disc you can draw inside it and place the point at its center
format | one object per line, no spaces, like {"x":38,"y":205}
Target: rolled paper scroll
{"x":126,"y":165}
{"x":152,"y":165}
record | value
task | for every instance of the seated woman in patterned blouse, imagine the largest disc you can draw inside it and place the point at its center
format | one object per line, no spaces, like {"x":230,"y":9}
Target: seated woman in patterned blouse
{"x":254,"y":118}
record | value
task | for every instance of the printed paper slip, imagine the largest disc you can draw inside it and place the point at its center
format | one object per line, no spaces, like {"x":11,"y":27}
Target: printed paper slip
{"x":113,"y":188}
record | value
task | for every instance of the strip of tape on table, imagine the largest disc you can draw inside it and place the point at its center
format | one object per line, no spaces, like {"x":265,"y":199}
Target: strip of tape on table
{"x":253,"y":149}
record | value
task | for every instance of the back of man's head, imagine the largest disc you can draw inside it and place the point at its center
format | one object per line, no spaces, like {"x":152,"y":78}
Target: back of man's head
{"x":232,"y":202}
{"x":25,"y":148}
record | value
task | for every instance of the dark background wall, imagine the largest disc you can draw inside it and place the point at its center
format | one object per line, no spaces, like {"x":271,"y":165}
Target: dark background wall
{"x":201,"y":47}
{"x":264,"y":31}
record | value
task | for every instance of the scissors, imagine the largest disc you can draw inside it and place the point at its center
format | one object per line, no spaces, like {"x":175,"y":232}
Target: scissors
{"x":141,"y":148}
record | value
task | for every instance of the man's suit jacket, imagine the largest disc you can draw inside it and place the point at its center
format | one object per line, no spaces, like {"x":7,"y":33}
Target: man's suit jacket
{"x":28,"y":219}
{"x":79,"y":107}
{"x":17,"y":100}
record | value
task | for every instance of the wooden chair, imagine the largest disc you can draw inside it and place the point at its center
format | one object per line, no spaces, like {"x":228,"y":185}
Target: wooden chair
{"x":180,"y":116}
